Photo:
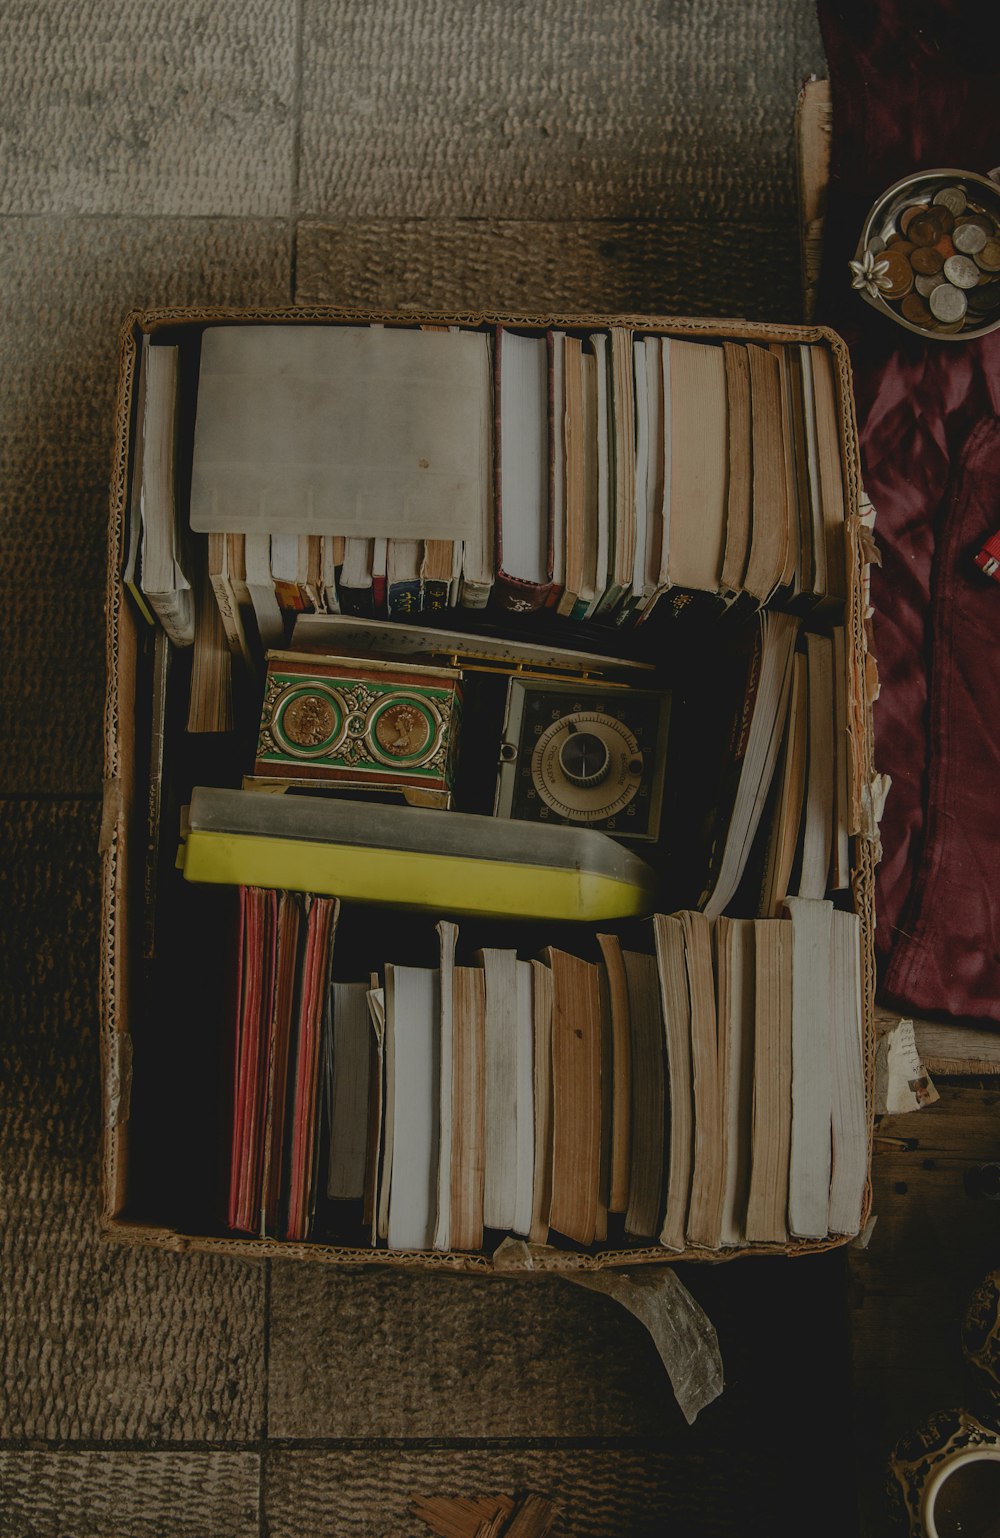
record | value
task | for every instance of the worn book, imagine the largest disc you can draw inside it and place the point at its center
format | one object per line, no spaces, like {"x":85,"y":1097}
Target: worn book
{"x":165,"y":560}
{"x":576,"y":1096}
{"x":523,"y":514}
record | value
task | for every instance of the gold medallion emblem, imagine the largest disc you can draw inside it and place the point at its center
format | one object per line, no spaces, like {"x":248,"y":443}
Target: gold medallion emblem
{"x":402,"y":731}
{"x":308,"y":720}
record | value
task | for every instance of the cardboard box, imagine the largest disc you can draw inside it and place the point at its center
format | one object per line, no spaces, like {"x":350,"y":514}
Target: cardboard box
{"x":138,"y":1204}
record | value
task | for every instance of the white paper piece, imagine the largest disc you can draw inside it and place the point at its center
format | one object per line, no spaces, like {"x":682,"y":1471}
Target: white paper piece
{"x":902,"y":1083}
{"x":682,"y":1332}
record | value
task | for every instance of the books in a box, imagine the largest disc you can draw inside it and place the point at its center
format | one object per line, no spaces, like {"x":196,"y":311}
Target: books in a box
{"x":392,"y":471}
{"x":691,"y":1084}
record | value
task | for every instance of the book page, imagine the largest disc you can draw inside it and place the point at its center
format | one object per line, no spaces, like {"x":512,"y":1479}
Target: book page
{"x":349,"y":430}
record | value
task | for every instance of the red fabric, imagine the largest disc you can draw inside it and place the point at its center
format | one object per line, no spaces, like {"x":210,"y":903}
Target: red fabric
{"x":916,"y":85}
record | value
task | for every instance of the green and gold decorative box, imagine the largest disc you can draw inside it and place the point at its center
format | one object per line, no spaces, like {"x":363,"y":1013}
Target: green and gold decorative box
{"x":359,"y":725}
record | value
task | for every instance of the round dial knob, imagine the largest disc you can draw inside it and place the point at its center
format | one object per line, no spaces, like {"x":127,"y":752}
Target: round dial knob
{"x":584,"y":758}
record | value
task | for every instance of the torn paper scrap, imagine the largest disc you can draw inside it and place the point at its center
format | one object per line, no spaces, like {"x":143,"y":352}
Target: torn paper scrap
{"x":682,"y":1332}
{"x":902,"y":1083}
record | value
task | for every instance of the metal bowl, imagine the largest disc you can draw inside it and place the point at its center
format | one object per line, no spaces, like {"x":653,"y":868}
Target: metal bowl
{"x":983,"y":195}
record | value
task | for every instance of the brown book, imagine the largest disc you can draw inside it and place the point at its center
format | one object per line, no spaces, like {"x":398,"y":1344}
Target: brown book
{"x":542,"y":1195}
{"x":850,"y":1122}
{"x":790,"y":576}
{"x":740,"y":489}
{"x":647,"y":1165}
{"x":621,"y":1072}
{"x":672,"y":964}
{"x":787,"y":819}
{"x":210,"y":700}
{"x":699,"y":458}
{"x":767,"y":1205}
{"x":735,"y":985}
{"x":280,"y":1050}
{"x":501,"y":1146}
{"x":574,"y":446}
{"x":236,"y":562}
{"x":840,"y":859}
{"x":440,"y":571}
{"x":755,"y":746}
{"x":799,"y":448}
{"x":523,"y":515}
{"x":468,"y":1128}
{"x":769,"y":526}
{"x":623,"y":411}
{"x":831,"y":480}
{"x":704,"y":1224}
{"x":576,"y":1096}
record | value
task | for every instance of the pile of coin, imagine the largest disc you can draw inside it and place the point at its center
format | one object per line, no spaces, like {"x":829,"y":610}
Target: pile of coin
{"x":942,"y":263}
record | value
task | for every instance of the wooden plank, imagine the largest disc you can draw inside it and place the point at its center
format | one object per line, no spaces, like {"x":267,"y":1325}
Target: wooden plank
{"x":946,"y":1047}
{"x":813,"y":130}
{"x":932,"y":1243}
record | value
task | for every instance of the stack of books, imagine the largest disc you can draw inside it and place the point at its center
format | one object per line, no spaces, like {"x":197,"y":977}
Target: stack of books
{"x":694,"y":1084}
{"x":390,"y":471}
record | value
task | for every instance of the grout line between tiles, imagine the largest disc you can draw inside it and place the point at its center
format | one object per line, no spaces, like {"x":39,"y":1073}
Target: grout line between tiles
{"x":54,"y":796}
{"x":139,"y":1445}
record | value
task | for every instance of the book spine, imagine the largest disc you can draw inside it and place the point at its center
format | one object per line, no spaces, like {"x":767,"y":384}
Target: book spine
{"x":608,"y":610}
{"x":475,"y":595}
{"x":289,"y":596}
{"x":404,"y":598}
{"x":357,"y":601}
{"x":514,"y":596}
{"x":175,"y":612}
{"x":229,"y":613}
{"x":435,"y":596}
{"x":380,"y":586}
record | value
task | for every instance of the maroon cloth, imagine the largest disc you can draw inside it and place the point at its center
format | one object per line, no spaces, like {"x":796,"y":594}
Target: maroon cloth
{"x":915,"y":85}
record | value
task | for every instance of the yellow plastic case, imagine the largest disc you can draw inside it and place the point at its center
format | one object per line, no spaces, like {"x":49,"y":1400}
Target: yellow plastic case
{"x":413,"y":858}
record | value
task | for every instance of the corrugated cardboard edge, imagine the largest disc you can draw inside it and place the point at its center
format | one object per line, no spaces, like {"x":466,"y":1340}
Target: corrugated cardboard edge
{"x":116,"y":946}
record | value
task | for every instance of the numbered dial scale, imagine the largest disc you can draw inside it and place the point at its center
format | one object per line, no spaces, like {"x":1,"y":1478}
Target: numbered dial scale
{"x":584,"y":754}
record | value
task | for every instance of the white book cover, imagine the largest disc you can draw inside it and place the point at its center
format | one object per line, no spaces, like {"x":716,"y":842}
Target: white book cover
{"x":500,"y":1193}
{"x":850,"y":1121}
{"x":525,"y":1101}
{"x":812,"y":1068}
{"x":412,"y":1020}
{"x":736,"y":1047}
{"x":557,"y":450}
{"x":524,"y":457}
